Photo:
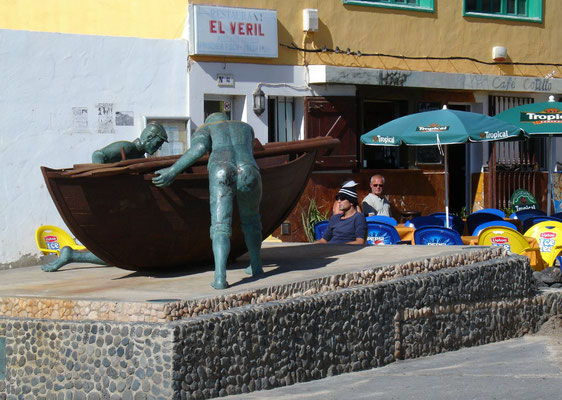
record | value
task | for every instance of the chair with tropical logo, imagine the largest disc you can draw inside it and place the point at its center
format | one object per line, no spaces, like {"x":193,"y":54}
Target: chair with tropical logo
{"x":51,"y":239}
{"x":512,"y":241}
{"x":549,"y":236}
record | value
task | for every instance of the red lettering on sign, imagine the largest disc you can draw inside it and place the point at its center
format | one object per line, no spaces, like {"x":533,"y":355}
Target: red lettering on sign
{"x":233,"y":27}
{"x":548,"y":235}
{"x":499,"y":240}
{"x":51,"y":238}
{"x":259,"y":30}
{"x":220,"y":28}
{"x":241,"y":28}
{"x":249,"y":29}
{"x":213,"y":26}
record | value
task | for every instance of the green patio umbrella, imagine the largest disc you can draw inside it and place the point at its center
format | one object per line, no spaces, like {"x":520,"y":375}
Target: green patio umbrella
{"x":538,"y":119}
{"x":441,"y":127}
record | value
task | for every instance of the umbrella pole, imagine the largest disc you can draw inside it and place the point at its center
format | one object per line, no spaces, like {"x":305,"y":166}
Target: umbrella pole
{"x":447,"y":186}
{"x":549,"y":166}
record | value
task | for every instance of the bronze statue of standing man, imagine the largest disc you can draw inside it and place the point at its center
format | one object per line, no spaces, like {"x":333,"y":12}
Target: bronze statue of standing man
{"x":233,"y":172}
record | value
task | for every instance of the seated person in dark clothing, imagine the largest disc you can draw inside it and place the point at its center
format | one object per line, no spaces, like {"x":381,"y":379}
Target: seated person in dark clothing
{"x":349,"y":226}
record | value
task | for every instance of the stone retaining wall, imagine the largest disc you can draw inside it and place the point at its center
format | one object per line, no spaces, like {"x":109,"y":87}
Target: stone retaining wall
{"x":276,"y":343}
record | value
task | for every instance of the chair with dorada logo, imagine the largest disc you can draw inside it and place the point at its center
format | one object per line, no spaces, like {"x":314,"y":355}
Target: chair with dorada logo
{"x":512,"y":241}
{"x":549,"y":236}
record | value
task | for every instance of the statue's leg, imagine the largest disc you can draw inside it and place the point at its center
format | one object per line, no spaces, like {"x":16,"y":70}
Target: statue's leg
{"x":67,"y":255}
{"x":221,"y":189}
{"x":249,"y":191}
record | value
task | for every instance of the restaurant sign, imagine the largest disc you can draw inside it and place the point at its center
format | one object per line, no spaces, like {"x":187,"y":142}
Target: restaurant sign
{"x":229,"y":31}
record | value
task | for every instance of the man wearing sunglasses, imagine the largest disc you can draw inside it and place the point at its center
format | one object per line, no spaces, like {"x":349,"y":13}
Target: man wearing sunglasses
{"x":375,"y":203}
{"x":348,"y":226}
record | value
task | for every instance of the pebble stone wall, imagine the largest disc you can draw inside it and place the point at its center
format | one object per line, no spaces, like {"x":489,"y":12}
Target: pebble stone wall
{"x":341,"y":324}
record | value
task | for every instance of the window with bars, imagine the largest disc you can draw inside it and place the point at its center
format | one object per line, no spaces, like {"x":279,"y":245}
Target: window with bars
{"x":281,"y":119}
{"x":417,"y":5}
{"x":528,"y":10}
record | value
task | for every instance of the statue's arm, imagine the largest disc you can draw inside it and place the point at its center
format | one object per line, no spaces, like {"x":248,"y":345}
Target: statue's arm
{"x":200,"y":145}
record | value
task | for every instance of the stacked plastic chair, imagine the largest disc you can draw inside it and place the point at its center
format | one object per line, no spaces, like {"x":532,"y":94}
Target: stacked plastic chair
{"x":455,"y":222}
{"x":478,"y":218}
{"x":513,"y":241}
{"x":498,"y":224}
{"x":320,"y":228}
{"x":549,"y":236}
{"x":379,"y":233}
{"x":383,"y":219}
{"x":437,"y":236}
{"x":426,"y":220}
{"x":495,"y":211}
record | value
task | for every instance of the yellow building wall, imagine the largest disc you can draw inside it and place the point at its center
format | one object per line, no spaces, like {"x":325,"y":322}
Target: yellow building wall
{"x":444,"y":33}
{"x":155,"y":19}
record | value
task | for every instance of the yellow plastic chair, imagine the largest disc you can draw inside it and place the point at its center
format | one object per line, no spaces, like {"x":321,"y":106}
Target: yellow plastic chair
{"x":549,"y":236}
{"x":512,"y":241}
{"x":51,"y":239}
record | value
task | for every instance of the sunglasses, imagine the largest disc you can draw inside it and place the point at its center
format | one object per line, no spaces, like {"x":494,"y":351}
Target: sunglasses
{"x":377,"y":185}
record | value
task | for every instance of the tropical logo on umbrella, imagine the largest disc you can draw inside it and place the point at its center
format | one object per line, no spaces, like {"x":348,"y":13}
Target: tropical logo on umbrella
{"x":383,"y":139}
{"x":433,"y":128}
{"x":494,"y":135}
{"x":547,"y":116}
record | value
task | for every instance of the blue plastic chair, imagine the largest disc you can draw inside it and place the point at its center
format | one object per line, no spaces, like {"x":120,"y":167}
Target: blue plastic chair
{"x":455,"y":222}
{"x":320,"y":228}
{"x":425,"y":220}
{"x":484,"y":225}
{"x":476,"y":219}
{"x":379,"y":233}
{"x":527,"y":223}
{"x":383,"y":219}
{"x":526,"y":214}
{"x":437,"y":236}
{"x":499,"y":213}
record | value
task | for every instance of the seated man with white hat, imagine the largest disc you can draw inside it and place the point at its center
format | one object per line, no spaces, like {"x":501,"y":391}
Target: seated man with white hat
{"x":349,"y":226}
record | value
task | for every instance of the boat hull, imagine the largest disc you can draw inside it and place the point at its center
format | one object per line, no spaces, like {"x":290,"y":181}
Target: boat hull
{"x":129,"y":223}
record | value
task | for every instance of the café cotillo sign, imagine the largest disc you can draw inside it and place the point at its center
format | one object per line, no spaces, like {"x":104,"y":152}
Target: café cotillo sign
{"x":547,"y":116}
{"x":230,"y":31}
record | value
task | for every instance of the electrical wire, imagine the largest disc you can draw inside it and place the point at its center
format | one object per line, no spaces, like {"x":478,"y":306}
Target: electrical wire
{"x":359,"y":53}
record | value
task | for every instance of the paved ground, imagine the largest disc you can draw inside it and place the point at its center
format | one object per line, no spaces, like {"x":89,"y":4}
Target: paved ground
{"x":518,"y":369}
{"x":283,"y":263}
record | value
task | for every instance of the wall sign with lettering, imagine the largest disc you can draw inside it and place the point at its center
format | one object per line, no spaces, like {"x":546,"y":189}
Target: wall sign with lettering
{"x":229,"y":31}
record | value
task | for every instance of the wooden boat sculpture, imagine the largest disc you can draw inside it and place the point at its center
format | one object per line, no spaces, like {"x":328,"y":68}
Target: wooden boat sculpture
{"x":120,"y":216}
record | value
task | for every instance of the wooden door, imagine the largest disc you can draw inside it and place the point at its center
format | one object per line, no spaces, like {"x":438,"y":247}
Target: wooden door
{"x":336,"y":117}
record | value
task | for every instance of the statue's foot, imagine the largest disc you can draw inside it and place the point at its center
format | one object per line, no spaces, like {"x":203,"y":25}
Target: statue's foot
{"x":254,"y":271}
{"x":219,"y":284}
{"x":63,"y":259}
{"x":52,"y":266}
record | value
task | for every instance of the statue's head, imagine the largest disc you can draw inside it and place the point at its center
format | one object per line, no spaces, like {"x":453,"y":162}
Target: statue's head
{"x":152,"y":137}
{"x":216,"y":117}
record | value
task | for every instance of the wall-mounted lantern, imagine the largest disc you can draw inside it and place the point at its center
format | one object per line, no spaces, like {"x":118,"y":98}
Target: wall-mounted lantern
{"x":259,"y":101}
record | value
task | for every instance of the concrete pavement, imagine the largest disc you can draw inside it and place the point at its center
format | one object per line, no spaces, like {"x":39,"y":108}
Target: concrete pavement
{"x":518,"y":369}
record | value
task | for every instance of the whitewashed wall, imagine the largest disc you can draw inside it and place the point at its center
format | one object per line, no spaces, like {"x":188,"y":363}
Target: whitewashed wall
{"x":276,"y":80}
{"x":43,"y":77}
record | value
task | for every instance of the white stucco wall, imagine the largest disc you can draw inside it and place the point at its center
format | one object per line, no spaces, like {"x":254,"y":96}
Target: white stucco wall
{"x":276,"y":80}
{"x":45,"y":75}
